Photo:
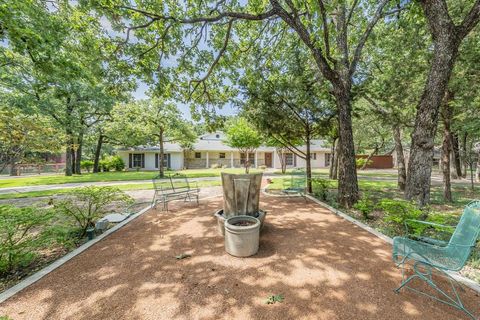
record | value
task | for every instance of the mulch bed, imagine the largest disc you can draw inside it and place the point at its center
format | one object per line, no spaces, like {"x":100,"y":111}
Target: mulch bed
{"x":322,"y":266}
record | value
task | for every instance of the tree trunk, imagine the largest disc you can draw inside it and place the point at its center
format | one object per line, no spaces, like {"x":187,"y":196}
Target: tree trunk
{"x":78,"y":156}
{"x":447,"y":37}
{"x":68,"y":161}
{"x":402,"y":173}
{"x":308,"y":162}
{"x":369,"y":158}
{"x":332,"y":159}
{"x":421,"y":152}
{"x":68,"y":154}
{"x":161,"y":169}
{"x":477,"y":173}
{"x":13,"y":167}
{"x":456,"y":156}
{"x":464,"y":153}
{"x":281,"y":157}
{"x":335,"y":162}
{"x":247,"y":162}
{"x":98,"y":151}
{"x":347,"y":171}
{"x":446,"y":146}
{"x":74,"y":160}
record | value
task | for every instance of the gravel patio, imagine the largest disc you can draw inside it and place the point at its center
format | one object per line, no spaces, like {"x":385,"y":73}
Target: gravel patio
{"x":324,"y":266}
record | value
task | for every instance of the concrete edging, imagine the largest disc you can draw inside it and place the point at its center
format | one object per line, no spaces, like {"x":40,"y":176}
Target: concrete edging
{"x":59,"y":262}
{"x":455,"y":275}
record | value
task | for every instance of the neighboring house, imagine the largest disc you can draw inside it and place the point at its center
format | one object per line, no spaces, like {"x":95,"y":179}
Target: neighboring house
{"x":211,"y":150}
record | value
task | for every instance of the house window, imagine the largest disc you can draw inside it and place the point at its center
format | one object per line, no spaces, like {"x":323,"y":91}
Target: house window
{"x":313,"y":156}
{"x":137,"y":160}
{"x":289,"y":159}
{"x":327,"y":159}
{"x":166,"y":156}
{"x":221,"y":155}
{"x":198,"y":155}
{"x":251,"y":158}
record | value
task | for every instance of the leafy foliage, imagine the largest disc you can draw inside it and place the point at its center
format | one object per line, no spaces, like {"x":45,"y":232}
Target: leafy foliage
{"x":20,"y":234}
{"x":320,"y":188}
{"x":87,"y":204}
{"x":275,"y":298}
{"x":365,"y":205}
{"x":86,"y":165}
{"x":112,"y":163}
{"x":241,"y":135}
{"x":396,"y":212}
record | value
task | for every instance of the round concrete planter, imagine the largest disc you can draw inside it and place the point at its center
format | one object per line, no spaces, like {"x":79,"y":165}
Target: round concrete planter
{"x":242,"y":241}
{"x":221,"y":220}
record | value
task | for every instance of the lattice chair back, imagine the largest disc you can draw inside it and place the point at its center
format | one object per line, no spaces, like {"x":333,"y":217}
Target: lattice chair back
{"x":466,"y":233}
{"x":299,"y":179}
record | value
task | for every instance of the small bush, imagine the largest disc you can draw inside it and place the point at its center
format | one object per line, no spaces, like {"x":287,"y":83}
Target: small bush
{"x":263,"y":167}
{"x":215,"y":166}
{"x":365,"y":206}
{"x":86,"y":165}
{"x":396,"y":212}
{"x":88,"y":204}
{"x":21,"y":232}
{"x":320,"y":188}
{"x":112,"y":163}
{"x":360,"y":162}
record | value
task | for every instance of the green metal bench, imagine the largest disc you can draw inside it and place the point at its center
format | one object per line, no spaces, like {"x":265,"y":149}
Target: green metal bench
{"x":297,"y":184}
{"x":428,"y":255}
{"x":173,"y":187}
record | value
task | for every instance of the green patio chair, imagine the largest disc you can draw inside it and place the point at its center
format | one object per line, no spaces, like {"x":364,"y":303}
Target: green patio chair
{"x":297,"y":184}
{"x":428,"y":255}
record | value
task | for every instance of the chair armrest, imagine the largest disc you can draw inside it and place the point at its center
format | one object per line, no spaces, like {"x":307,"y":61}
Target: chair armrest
{"x":426,"y":223}
{"x":429,"y":223}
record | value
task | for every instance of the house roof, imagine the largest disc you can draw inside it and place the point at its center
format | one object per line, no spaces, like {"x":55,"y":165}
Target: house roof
{"x":215,"y":142}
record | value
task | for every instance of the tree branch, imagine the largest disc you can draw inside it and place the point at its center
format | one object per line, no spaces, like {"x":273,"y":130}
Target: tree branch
{"x":366,"y":34}
{"x":470,"y":21}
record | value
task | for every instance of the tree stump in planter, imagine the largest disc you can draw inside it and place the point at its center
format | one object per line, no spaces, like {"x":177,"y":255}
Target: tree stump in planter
{"x":241,"y":196}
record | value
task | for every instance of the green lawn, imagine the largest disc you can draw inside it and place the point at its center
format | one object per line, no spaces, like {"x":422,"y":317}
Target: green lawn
{"x":108,"y":176}
{"x":124,"y":187}
{"x":361,"y":173}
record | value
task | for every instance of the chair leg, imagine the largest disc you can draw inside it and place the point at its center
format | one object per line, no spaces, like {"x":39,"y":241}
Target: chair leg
{"x":427,"y":277}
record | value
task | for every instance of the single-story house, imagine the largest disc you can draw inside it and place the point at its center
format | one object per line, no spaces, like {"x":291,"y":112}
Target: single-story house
{"x":211,"y":150}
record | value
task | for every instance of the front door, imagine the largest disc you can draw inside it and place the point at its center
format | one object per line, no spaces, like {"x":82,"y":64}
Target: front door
{"x":268,"y":159}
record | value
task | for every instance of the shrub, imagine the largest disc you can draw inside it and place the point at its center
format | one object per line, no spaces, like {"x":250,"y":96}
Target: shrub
{"x":215,"y":166}
{"x":360,"y":162}
{"x":262,"y":167}
{"x":365,"y":205}
{"x":86,"y":165}
{"x":88,"y":204}
{"x":320,"y":188}
{"x":112,"y":163}
{"x":396,"y":212}
{"x":21,"y":232}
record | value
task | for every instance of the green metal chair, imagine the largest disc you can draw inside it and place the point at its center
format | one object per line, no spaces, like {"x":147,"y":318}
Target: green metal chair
{"x":297,"y":184}
{"x":428,"y":255}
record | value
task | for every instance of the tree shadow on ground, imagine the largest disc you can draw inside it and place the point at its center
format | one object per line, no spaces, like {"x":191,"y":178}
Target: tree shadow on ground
{"x":324,"y":266}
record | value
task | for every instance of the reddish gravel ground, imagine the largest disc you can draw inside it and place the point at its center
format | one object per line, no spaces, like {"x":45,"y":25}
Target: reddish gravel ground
{"x":324,"y":266}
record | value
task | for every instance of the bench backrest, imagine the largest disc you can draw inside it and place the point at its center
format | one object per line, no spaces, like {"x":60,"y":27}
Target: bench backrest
{"x":171,"y":183}
{"x":179,"y":182}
